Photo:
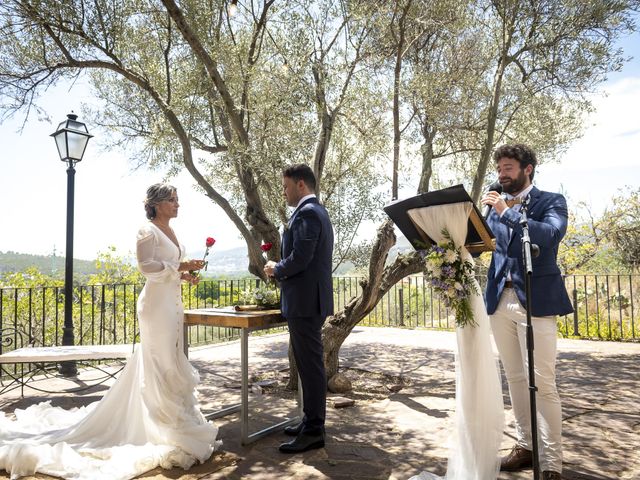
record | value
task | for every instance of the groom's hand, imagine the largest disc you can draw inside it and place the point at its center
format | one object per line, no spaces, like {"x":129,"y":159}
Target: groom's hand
{"x":269,"y":268}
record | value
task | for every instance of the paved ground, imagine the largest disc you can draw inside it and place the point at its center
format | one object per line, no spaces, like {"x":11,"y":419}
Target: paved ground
{"x":390,"y":435}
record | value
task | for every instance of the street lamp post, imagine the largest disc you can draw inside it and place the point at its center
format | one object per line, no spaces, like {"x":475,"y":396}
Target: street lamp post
{"x":71,"y":139}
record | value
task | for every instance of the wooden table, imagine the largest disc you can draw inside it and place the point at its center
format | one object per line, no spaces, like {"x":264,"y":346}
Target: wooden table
{"x":247,"y":322}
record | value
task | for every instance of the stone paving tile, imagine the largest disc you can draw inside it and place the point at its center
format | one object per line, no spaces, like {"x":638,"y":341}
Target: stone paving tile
{"x":397,"y":435}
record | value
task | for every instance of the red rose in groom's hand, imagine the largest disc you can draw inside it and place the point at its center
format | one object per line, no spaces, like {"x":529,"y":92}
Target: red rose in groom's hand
{"x":265,"y":247}
{"x":210,"y":241}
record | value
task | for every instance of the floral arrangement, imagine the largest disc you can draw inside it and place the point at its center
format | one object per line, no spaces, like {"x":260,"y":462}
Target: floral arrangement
{"x":264,"y":296}
{"x":452,"y":278}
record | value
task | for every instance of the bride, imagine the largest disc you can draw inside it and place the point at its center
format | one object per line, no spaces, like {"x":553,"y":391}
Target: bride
{"x":150,"y":416}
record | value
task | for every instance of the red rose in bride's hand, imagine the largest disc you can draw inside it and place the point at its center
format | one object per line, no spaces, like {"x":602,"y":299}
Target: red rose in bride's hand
{"x":209,"y":241}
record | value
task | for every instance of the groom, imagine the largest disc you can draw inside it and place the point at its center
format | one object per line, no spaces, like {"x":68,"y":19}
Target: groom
{"x":304,"y":274}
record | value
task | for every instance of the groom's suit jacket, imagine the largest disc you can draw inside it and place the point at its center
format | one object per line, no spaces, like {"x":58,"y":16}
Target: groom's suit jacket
{"x":547,"y":218}
{"x":304,"y":272}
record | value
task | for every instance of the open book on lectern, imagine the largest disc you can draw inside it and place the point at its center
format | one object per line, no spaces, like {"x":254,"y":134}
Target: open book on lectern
{"x":480,"y":238}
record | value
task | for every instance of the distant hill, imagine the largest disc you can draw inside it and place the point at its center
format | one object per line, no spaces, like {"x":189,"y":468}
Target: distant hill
{"x":47,"y":264}
{"x":228,"y":263}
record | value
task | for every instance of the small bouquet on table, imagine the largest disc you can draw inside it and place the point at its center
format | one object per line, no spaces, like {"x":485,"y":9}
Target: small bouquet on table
{"x":264,"y":296}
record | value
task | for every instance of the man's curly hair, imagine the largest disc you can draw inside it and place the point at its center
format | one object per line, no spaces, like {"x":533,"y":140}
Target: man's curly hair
{"x":523,"y":154}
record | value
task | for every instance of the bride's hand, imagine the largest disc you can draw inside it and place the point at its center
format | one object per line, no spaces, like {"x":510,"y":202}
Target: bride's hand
{"x":190,"y":278}
{"x":191,"y":265}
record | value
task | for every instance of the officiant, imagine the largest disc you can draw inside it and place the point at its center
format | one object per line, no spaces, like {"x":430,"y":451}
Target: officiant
{"x":505,"y":301}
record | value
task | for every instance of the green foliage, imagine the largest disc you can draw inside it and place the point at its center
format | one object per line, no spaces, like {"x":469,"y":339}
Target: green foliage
{"x":28,"y":278}
{"x":102,"y":302}
{"x":604,"y":306}
{"x":605,"y":243}
{"x":622,"y":226}
{"x":114,"y":268}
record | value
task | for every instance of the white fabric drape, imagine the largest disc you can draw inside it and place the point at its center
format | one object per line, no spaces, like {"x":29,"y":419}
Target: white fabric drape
{"x":473,"y":450}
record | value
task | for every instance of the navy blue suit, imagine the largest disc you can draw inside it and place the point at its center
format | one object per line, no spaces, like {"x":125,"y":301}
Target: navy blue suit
{"x":547,"y":218}
{"x":306,"y":299}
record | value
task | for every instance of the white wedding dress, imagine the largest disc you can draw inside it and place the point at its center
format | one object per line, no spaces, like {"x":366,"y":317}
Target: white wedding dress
{"x":479,"y":421}
{"x":148,"y":418}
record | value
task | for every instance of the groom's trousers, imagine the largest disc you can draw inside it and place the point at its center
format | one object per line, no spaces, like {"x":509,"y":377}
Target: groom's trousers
{"x":509,"y":323}
{"x":306,"y":342}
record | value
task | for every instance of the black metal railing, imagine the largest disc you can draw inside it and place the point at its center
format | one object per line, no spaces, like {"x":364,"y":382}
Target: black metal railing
{"x":605,"y":308}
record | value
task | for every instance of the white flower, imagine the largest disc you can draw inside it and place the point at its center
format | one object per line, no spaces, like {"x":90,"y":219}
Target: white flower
{"x":450,"y":256}
{"x":458,"y":286}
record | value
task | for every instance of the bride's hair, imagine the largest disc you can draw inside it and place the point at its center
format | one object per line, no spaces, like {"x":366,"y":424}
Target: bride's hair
{"x":155,"y":194}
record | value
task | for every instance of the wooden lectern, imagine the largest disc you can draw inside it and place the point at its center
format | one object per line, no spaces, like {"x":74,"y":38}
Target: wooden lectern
{"x":479,"y":239}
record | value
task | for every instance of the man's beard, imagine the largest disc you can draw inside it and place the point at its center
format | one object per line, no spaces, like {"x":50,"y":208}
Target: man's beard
{"x":515,"y":185}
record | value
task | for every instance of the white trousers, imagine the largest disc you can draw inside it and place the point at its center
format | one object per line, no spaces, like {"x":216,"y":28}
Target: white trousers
{"x":509,"y":325}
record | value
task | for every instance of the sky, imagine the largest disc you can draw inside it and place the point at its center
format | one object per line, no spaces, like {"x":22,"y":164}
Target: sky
{"x":109,"y":191}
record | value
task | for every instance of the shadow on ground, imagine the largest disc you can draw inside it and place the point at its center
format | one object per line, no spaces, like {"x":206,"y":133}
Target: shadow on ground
{"x":394,"y":433}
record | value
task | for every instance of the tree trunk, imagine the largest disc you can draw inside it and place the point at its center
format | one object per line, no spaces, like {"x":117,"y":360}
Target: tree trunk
{"x":492,"y":116}
{"x":322,"y":146}
{"x":381,"y":279}
{"x":427,"y":158}
{"x":396,"y":116}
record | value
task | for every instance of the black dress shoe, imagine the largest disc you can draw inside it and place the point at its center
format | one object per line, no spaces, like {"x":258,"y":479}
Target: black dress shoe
{"x":294,"y":430}
{"x":302,"y":443}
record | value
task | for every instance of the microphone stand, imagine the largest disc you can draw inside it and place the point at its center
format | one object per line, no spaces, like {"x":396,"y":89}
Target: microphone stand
{"x":530,"y":250}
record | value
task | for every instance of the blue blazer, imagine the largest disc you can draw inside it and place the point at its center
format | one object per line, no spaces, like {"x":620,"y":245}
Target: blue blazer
{"x":304,"y":272}
{"x":547,"y":217}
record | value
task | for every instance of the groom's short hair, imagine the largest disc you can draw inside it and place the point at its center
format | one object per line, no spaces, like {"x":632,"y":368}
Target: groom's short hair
{"x":302,"y":172}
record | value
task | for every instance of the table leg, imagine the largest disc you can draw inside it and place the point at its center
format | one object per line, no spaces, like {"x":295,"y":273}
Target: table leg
{"x":244,"y":365}
{"x":243,"y":407}
{"x":185,"y":340}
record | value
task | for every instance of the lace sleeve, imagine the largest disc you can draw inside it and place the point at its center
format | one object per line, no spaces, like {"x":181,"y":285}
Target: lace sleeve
{"x":151,"y":267}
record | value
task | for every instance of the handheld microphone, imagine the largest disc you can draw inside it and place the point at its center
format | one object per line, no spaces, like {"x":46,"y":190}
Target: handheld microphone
{"x":494,"y":187}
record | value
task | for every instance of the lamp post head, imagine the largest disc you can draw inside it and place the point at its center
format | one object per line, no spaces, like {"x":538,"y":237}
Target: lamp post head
{"x":71,"y":139}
